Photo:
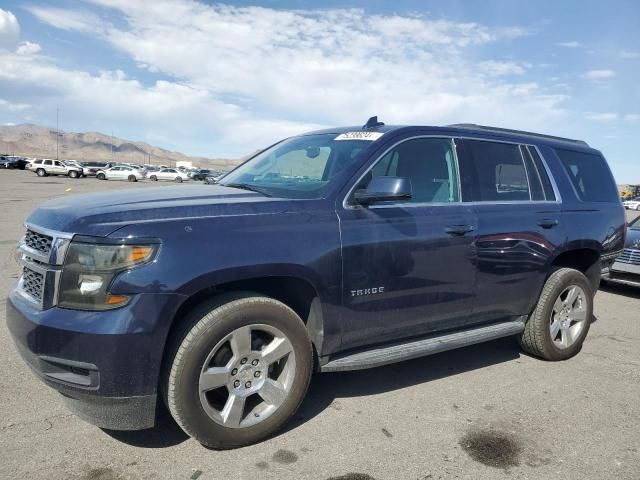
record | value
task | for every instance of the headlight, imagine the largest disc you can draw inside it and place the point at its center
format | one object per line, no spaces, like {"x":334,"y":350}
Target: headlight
{"x":89,"y":270}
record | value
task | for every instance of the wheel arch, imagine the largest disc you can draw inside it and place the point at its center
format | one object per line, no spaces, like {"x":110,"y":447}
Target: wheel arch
{"x":585,"y":259}
{"x":297,"y":292}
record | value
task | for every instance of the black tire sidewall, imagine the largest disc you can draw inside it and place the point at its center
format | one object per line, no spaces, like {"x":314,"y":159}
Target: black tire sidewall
{"x":573,"y":277}
{"x":187,"y":372}
{"x":41,"y":173}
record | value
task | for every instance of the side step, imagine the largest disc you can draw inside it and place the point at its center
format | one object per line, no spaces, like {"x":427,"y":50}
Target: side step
{"x":427,"y":346}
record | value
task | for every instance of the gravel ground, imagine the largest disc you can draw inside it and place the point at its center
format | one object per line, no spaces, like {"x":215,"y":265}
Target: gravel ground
{"x":483,"y":412}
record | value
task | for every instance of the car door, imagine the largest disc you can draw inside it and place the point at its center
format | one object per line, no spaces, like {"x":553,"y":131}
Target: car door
{"x":519,"y":225}
{"x":114,"y":173}
{"x":408,"y":266}
{"x":58,"y":168}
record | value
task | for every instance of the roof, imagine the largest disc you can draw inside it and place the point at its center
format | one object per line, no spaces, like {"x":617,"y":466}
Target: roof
{"x":463,"y":129}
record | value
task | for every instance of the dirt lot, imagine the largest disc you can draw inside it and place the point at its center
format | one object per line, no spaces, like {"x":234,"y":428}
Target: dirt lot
{"x":483,"y":412}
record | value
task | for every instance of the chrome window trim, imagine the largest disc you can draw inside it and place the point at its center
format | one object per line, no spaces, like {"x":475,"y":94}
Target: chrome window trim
{"x":552,"y":179}
{"x":554,"y":186}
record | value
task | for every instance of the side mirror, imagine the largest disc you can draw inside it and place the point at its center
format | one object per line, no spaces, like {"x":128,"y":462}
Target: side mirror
{"x":384,"y":189}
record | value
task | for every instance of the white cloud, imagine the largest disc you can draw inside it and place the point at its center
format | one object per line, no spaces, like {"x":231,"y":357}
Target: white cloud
{"x":68,"y":19}
{"x":572,"y":44}
{"x":28,"y":48}
{"x":600,"y":74}
{"x":235,"y":73}
{"x":632,"y":117}
{"x":496,"y":69}
{"x":13,"y":107}
{"x":601,"y":117}
{"x":9,"y":29}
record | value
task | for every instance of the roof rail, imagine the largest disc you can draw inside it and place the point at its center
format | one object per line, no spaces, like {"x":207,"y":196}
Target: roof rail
{"x":484,"y":128}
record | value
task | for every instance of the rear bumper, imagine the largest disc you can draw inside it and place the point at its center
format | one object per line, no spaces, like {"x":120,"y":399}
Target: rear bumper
{"x":105,"y":364}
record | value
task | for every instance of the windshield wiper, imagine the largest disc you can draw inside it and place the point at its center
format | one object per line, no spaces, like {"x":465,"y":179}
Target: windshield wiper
{"x":246,"y":186}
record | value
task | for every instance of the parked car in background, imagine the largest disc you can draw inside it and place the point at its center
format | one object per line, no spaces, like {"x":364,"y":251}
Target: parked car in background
{"x":91,"y":168}
{"x":120,"y":172}
{"x":74,"y":163}
{"x":632,"y":204}
{"x":44,"y":167}
{"x":13,"y":162}
{"x":626,"y":268}
{"x":213,"y":177}
{"x":171,"y":174}
{"x":200,"y":174}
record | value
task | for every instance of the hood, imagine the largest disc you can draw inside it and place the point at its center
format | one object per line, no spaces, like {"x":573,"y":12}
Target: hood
{"x":100,"y":214}
{"x":633,"y":238}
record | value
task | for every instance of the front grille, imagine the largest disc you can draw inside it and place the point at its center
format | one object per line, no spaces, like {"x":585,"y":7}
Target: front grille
{"x":32,"y":283}
{"x":39,"y":242}
{"x":630,"y":256}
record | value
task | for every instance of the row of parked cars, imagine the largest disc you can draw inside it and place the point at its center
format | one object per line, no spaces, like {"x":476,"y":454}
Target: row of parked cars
{"x":113,"y":171}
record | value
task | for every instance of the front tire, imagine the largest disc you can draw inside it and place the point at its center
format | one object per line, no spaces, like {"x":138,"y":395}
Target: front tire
{"x":179,"y":179}
{"x":132,"y":178}
{"x":241,"y":367}
{"x":558,"y":326}
{"x":73,"y":174}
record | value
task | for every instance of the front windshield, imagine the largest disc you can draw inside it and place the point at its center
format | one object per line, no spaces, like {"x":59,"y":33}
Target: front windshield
{"x":299,"y":167}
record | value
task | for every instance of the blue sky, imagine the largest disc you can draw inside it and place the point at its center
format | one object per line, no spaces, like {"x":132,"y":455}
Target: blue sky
{"x":221,"y":80}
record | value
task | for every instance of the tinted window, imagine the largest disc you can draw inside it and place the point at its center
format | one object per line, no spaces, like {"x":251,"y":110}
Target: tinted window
{"x":493,"y":172}
{"x":47,"y":162}
{"x":429,"y":163}
{"x":590,"y":176}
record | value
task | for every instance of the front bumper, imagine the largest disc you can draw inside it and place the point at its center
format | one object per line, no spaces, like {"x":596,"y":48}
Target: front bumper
{"x":624,"y":273}
{"x":105,"y":364}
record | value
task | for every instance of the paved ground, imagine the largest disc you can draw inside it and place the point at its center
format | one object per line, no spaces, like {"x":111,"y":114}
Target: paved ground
{"x":445,"y":416}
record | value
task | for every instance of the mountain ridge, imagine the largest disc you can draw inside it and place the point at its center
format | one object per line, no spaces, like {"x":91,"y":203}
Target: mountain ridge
{"x":33,"y":140}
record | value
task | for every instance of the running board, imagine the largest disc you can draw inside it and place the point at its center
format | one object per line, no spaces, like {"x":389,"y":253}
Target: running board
{"x":418,"y":348}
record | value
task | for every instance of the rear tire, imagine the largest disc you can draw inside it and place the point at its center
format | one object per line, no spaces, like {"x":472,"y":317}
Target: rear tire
{"x":41,"y":173}
{"x":207,"y":340}
{"x":153,"y":178}
{"x":560,"y":322}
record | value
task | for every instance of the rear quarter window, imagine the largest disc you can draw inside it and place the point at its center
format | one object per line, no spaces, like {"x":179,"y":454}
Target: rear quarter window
{"x":589,"y":175}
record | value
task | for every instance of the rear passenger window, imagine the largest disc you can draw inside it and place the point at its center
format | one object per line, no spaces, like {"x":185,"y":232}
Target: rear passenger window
{"x":590,"y":176}
{"x":493,"y":172}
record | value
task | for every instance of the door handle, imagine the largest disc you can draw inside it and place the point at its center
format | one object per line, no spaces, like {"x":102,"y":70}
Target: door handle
{"x":458,"y":229}
{"x":548,"y":222}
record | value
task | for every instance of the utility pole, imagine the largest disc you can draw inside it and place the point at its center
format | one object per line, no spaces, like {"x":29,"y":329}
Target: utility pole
{"x":57,"y":132}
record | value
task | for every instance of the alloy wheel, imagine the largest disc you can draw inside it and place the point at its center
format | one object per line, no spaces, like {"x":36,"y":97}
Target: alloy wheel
{"x":247,"y":376}
{"x":568,"y":317}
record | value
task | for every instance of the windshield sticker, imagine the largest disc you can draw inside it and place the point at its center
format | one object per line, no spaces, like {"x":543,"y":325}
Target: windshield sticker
{"x":371,"y":136}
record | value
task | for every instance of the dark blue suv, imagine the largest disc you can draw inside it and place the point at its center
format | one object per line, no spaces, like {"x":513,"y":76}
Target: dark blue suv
{"x":341,"y":249}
